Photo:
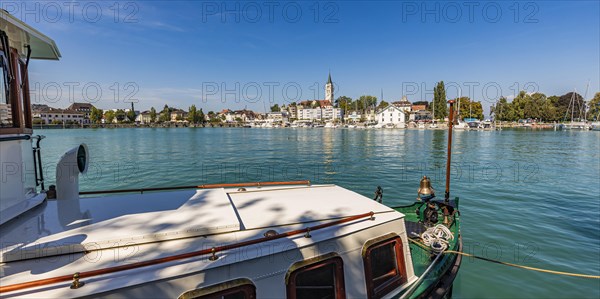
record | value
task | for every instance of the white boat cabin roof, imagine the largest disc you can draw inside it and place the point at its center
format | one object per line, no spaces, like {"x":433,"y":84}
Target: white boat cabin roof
{"x":85,"y":224}
{"x":22,"y":35}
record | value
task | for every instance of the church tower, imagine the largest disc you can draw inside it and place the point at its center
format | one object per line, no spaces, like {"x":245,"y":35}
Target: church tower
{"x":329,"y":90}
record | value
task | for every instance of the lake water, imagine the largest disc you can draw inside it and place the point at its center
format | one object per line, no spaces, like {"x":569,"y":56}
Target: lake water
{"x":527,"y":197}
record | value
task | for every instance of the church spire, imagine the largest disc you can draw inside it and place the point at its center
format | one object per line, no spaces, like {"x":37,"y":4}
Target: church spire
{"x":329,"y":90}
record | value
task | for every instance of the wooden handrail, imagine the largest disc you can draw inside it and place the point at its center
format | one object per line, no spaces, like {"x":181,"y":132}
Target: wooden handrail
{"x":92,"y":273}
{"x":207,"y":186}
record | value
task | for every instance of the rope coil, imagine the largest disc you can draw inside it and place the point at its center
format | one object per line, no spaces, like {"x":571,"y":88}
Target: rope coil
{"x":437,"y":238}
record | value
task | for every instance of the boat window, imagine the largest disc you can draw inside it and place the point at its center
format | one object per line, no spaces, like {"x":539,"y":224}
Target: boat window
{"x":322,"y":277}
{"x":5,"y":106}
{"x":384,"y":266}
{"x":235,"y":289}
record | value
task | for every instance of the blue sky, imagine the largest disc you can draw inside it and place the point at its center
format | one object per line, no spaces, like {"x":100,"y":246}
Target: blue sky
{"x":197,"y":52}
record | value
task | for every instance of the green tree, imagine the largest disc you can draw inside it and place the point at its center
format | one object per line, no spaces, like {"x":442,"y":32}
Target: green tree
{"x":343,"y":102}
{"x":152,"y":114}
{"x":365,"y":102}
{"x":275,"y":108}
{"x":594,"y":108}
{"x":165,"y":114}
{"x":469,"y":109}
{"x":131,"y":113}
{"x":109,"y":116}
{"x":192,"y":115}
{"x":439,"y":100}
{"x":120,"y":115}
{"x":570,"y":105}
{"x":548,"y":111}
{"x":518,"y":106}
{"x":382,"y":105}
{"x":501,"y":110}
{"x":96,"y":115}
{"x":534,"y":106}
{"x":201,"y":117}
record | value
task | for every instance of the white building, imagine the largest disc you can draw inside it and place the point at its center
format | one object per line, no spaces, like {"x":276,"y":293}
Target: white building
{"x":353,"y":116}
{"x":277,"y":116}
{"x":392,"y":115}
{"x":50,"y":115}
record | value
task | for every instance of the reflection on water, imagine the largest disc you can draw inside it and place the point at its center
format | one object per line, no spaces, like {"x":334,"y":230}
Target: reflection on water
{"x":527,"y":197}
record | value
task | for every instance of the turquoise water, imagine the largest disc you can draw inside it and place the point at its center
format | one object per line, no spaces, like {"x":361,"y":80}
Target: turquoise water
{"x":527,"y":197}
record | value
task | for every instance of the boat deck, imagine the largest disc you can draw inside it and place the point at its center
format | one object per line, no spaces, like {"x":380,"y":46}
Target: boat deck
{"x":92,"y":223}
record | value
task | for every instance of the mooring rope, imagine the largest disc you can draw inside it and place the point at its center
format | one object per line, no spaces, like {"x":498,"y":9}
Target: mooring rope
{"x":510,"y":264}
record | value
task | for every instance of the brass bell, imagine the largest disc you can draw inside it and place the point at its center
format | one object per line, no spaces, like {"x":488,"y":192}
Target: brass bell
{"x":425,"y":187}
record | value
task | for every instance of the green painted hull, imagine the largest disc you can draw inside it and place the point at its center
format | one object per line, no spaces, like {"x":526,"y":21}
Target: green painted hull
{"x":438,"y":282}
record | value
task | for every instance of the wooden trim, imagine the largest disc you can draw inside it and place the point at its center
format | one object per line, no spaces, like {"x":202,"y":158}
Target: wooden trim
{"x":22,"y":122}
{"x":17,"y":111}
{"x":315,"y":263}
{"x":6,"y":131}
{"x":394,"y":281}
{"x":24,"y":80}
{"x":207,"y":186}
{"x":222,"y":289}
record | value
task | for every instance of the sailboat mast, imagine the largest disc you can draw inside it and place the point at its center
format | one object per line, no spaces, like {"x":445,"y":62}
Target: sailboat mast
{"x":573,"y":101}
{"x":584,"y":105}
{"x":433,"y":118}
{"x":448,"y":161}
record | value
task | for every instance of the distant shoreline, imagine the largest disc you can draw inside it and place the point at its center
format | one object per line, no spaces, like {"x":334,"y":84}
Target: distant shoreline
{"x":514,"y":125}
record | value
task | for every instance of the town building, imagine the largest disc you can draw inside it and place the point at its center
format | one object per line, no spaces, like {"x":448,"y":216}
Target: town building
{"x":5,"y":115}
{"x":178,"y":115}
{"x":404,"y":105}
{"x":418,"y":107}
{"x":319,"y":110}
{"x":292,"y":111}
{"x":144,"y":117}
{"x":244,"y":115}
{"x":85,"y":108}
{"x":392,"y":114}
{"x":353,"y":116}
{"x":49,"y":115}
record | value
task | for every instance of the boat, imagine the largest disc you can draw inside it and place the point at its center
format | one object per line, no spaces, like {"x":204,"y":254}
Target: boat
{"x":420,"y":125}
{"x":574,"y":125}
{"x":487,"y":125}
{"x":461,"y":125}
{"x":230,"y":240}
{"x":330,"y":125}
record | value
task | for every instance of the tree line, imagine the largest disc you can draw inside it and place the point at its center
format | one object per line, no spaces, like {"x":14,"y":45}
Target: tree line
{"x":568,"y":107}
{"x":193,"y":116}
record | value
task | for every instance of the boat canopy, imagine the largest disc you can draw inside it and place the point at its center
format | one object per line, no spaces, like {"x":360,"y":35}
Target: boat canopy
{"x":21,"y":35}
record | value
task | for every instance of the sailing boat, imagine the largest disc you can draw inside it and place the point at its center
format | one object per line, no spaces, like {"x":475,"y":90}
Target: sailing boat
{"x":433,"y":125}
{"x":574,"y":125}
